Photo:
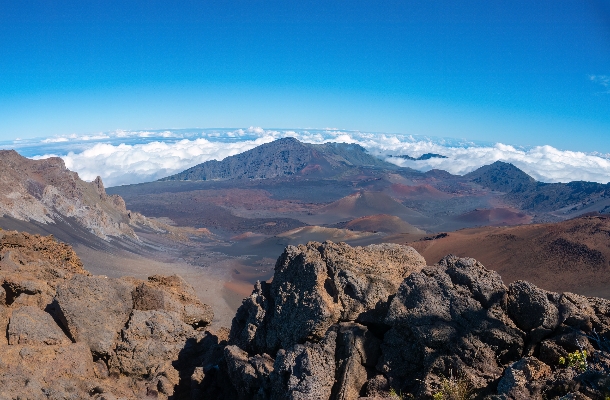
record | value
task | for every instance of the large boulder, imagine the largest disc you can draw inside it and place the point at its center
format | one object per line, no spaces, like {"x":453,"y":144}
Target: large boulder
{"x":318,"y":285}
{"x":172,"y":293}
{"x":150,"y":345}
{"x":30,"y":325}
{"x":94,"y":309}
{"x":49,"y":371}
{"x":305,"y":371}
{"x":445,"y":319}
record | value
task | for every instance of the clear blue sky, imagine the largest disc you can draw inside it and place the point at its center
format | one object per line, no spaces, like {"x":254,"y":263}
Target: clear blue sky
{"x":519,"y":72}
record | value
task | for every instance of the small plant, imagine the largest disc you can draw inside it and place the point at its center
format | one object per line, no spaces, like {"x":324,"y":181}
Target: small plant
{"x":576,"y":360}
{"x":454,"y":388}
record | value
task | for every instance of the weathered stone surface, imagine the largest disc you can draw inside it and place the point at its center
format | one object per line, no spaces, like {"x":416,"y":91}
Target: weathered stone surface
{"x":305,"y":371}
{"x":530,"y":307}
{"x":522,"y":379}
{"x":357,"y":354}
{"x":50,"y":371}
{"x":30,"y":325}
{"x":150,"y":343}
{"x":441,"y":322}
{"x":172,"y":293}
{"x":248,"y":374}
{"x":318,"y":285}
{"x":94,"y":309}
{"x":157,"y":351}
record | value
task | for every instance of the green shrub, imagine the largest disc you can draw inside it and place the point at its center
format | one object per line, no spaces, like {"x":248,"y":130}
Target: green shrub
{"x":454,"y":388}
{"x":576,"y":360}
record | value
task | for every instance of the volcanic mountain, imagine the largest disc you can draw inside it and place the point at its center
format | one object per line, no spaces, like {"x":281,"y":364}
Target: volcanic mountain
{"x":524,"y":192}
{"x":284,"y":157}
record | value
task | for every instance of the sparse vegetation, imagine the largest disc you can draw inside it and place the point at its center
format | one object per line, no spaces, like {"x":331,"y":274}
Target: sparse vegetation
{"x":577,"y":360}
{"x":454,"y":388}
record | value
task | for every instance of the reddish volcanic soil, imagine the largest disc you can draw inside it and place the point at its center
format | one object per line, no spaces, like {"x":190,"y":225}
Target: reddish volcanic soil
{"x":567,"y":256}
{"x":381,"y":223}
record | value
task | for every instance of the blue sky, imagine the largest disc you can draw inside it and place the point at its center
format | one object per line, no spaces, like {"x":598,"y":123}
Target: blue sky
{"x":521,"y":72}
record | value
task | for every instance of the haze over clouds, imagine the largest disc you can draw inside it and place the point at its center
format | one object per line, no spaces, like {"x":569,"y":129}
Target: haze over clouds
{"x":126,"y":157}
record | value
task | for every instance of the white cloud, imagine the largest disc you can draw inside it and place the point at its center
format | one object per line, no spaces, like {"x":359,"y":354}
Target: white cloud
{"x":603,"y":80}
{"x":131,"y":157}
{"x":56,"y":140}
{"x":124,"y":164}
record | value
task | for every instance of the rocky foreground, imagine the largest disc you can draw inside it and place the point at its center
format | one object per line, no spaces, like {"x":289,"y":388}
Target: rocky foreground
{"x":336,"y":322}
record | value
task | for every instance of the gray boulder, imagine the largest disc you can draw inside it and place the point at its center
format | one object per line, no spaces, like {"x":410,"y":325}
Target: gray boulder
{"x":150,"y":343}
{"x":248,"y":374}
{"x":305,"y":371}
{"x":94,"y":309}
{"x":445,"y":319}
{"x":30,"y":325}
{"x":318,"y":285}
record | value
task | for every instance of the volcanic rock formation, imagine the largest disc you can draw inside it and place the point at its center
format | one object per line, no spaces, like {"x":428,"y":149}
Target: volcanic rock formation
{"x":346,"y":323}
{"x":336,"y":322}
{"x":73,"y":335}
{"x":46,"y":191}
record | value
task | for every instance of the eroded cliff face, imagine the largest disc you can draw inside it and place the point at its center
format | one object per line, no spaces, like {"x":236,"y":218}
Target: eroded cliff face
{"x":70,"y":334}
{"x":345,"y":323}
{"x":46,"y":191}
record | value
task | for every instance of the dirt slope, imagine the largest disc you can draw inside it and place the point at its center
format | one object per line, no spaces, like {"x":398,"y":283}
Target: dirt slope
{"x":573,"y":255}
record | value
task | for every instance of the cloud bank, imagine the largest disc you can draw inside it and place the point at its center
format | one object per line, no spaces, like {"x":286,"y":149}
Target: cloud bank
{"x":126,"y":157}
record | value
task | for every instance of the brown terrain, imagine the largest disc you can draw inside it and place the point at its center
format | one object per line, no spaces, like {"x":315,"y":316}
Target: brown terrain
{"x":336,"y":322}
{"x":572,"y":255}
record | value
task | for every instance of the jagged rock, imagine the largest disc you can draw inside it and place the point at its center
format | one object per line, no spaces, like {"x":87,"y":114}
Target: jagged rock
{"x":154,"y":354}
{"x":318,"y":285}
{"x":172,"y":293}
{"x":94,"y":309}
{"x":150,"y":343}
{"x":30,"y":325}
{"x":305,"y":371}
{"x":248,"y":374}
{"x":357,"y":354}
{"x":249,"y":327}
{"x":443,"y":324}
{"x":530,"y":307}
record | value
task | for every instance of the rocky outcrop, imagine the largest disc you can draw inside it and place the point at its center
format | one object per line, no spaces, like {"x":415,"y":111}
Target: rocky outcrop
{"x":347,"y":323}
{"x":73,"y":335}
{"x":94,"y":309}
{"x":172,"y":293}
{"x":47,"y":192}
{"x":336,"y":322}
{"x":318,"y":285}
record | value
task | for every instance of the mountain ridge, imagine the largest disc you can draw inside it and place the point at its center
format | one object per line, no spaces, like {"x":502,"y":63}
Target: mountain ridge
{"x":284,"y":157}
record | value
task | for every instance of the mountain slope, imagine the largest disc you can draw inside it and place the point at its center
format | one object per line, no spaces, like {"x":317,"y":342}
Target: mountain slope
{"x":46,"y":192}
{"x":503,"y":177}
{"x":284,"y":157}
{"x":526,"y":193}
{"x":572,"y":255}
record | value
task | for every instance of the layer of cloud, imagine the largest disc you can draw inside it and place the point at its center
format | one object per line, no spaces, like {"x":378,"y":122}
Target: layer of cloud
{"x":125,"y":157}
